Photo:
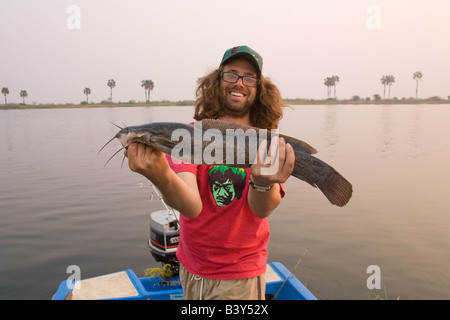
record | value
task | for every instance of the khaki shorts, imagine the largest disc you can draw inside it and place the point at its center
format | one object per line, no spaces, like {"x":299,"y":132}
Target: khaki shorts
{"x":198,"y":288}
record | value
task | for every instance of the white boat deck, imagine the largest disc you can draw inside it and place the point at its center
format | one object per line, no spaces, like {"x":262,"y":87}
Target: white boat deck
{"x":115,"y":285}
{"x":119,"y":285}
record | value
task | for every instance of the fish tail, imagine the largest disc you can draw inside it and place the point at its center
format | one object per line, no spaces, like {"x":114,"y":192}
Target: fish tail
{"x":320,"y":175}
{"x":337,"y":189}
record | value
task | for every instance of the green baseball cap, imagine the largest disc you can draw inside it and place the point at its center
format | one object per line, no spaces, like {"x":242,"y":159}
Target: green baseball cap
{"x":243,"y":52}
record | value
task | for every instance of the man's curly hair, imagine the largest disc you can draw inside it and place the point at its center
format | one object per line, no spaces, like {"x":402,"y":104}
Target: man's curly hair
{"x":266,"y":111}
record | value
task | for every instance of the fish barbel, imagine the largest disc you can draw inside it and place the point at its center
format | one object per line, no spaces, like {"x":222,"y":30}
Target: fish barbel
{"x":216,"y":142}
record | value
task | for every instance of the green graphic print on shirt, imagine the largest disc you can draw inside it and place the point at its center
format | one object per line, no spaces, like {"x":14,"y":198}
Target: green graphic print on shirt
{"x":226,"y":183}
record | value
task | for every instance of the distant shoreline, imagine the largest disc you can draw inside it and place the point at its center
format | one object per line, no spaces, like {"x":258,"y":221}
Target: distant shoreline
{"x":191,"y":103}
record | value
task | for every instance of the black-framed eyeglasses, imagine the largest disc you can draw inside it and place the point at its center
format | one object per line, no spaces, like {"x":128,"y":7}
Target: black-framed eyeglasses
{"x":233,"y":78}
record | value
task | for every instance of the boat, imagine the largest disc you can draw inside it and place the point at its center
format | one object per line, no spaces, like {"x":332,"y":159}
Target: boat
{"x":281,"y":284}
{"x":126,"y":285}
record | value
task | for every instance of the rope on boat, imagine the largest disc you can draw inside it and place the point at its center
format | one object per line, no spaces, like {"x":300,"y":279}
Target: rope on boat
{"x":284,"y":282}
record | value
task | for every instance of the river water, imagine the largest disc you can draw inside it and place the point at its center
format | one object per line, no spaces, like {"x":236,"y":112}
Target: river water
{"x":59,"y":205}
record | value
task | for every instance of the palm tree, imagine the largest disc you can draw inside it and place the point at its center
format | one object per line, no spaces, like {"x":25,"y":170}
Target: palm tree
{"x":5,"y":92}
{"x":87,"y":92}
{"x":23,"y":94}
{"x":387,"y":81}
{"x":328,"y":82}
{"x":148,"y":86}
{"x":111,"y":85}
{"x":417,"y":76}
{"x":384,"y":83}
{"x":335,"y":81}
{"x":391,"y":80}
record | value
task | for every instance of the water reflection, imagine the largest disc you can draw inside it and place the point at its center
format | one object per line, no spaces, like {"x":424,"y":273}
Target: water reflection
{"x":386,"y":137}
{"x":330,"y":133}
{"x":6,"y":132}
{"x":415,"y":131}
{"x":59,"y":206}
{"x":401,"y":130}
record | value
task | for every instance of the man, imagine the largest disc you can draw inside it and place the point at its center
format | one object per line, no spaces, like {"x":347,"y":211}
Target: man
{"x":222,"y":250}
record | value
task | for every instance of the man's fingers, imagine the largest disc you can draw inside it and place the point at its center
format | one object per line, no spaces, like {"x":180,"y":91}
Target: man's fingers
{"x":288,"y":163}
{"x":261,"y":152}
{"x":131,"y":149}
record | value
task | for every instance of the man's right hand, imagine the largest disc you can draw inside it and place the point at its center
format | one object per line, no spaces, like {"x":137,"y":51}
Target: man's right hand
{"x":146,"y":161}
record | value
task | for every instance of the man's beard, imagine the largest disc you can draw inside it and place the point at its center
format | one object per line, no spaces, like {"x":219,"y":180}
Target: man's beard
{"x":236,"y":110}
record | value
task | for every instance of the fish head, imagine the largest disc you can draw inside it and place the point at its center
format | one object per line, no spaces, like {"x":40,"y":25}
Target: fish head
{"x":127,"y":136}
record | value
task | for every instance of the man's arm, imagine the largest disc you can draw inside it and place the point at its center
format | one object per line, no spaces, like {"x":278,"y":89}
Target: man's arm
{"x":263,"y":203}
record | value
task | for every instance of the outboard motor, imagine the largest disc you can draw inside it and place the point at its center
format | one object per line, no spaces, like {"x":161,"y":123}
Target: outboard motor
{"x":164,"y":236}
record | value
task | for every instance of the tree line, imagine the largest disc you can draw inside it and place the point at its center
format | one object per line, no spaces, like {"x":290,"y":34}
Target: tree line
{"x":23,"y":94}
{"x":148,"y":86}
{"x":330,"y":82}
{"x":386,"y":81}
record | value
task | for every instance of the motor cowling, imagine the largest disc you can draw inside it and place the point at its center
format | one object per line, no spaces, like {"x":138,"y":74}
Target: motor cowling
{"x":165,"y":236}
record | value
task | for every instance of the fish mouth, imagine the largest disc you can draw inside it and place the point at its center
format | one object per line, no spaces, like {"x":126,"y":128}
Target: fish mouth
{"x":128,"y":137}
{"x":123,"y":138}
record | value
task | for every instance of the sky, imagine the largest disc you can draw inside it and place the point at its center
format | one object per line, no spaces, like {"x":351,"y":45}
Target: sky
{"x":53,"y":49}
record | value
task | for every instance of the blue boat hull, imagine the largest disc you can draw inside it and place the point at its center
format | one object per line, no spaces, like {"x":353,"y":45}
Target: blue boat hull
{"x":131,"y":287}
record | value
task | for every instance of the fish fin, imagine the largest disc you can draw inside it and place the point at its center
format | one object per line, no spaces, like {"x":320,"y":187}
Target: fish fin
{"x":223,"y":126}
{"x":312,"y":184}
{"x":299,"y":144}
{"x":320,"y":175}
{"x":337,"y":189}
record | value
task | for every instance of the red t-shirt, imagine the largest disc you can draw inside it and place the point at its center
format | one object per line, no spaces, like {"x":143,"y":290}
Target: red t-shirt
{"x":226,"y":240}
